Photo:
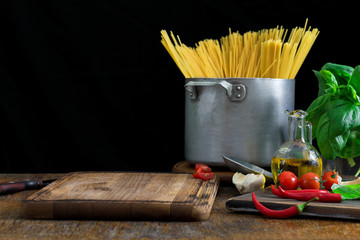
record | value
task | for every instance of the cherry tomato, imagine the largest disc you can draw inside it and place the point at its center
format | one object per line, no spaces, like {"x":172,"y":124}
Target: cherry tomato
{"x":288,"y":180}
{"x":203,"y":172}
{"x":203,"y":175}
{"x":329,"y":178}
{"x":202,"y":167}
{"x":310,"y":180}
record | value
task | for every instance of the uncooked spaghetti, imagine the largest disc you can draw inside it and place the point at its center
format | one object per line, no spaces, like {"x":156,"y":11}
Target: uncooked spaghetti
{"x":263,"y":54}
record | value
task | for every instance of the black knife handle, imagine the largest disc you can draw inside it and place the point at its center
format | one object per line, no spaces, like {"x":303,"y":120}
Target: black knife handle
{"x":6,"y":188}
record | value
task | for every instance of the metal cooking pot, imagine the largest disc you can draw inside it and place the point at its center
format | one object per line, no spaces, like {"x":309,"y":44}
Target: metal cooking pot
{"x":239,"y":117}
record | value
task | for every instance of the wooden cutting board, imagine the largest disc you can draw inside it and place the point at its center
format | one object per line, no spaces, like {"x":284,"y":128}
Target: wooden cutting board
{"x":124,"y":195}
{"x":348,"y":209}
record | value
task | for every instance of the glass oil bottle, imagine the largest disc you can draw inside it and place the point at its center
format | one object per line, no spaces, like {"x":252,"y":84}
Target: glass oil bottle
{"x":297,"y":154}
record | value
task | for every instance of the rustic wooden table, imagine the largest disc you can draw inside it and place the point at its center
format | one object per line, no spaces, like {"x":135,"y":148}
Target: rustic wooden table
{"x":221,"y":224}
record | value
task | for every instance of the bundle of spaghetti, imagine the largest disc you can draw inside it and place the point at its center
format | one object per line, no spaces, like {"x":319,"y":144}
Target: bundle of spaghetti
{"x":265,"y":53}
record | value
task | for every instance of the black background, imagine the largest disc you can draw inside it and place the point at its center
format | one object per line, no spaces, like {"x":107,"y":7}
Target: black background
{"x":86,"y":85}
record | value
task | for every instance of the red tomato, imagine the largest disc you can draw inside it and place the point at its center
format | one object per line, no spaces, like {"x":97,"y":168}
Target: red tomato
{"x":329,"y":178}
{"x":202,"y":167}
{"x":203,"y":175}
{"x":288,"y":180}
{"x":310,"y":180}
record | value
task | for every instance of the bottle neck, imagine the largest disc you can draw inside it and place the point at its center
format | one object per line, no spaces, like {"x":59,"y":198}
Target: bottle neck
{"x":297,"y":129}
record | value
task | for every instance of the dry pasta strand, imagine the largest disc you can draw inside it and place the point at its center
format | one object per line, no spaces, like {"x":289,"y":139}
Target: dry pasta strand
{"x":265,"y":53}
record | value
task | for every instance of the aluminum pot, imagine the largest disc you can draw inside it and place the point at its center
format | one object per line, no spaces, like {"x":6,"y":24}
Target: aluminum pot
{"x":239,"y":117}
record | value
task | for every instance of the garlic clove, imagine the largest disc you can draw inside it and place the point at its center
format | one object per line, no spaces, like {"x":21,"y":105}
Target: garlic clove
{"x":356,"y":181}
{"x":249,"y":182}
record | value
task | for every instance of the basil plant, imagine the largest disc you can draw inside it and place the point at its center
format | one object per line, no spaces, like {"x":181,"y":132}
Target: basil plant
{"x":335,"y":113}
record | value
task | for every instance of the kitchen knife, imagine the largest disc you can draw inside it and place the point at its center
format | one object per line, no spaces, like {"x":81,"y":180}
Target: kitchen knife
{"x":13,"y":187}
{"x":245,"y":167}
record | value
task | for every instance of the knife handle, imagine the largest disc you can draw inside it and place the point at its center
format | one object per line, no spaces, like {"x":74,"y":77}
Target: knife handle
{"x":6,"y":188}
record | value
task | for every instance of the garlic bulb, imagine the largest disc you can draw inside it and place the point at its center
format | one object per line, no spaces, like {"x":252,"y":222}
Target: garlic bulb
{"x":249,"y":182}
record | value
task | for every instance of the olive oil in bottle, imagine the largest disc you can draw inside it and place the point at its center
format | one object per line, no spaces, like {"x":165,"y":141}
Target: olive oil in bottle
{"x":298,"y":166}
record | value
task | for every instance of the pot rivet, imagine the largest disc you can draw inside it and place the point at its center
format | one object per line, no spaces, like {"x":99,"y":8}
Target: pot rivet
{"x":238,"y":95}
{"x":238,"y":88}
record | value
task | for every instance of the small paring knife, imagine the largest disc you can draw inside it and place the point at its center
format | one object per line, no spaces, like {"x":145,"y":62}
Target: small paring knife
{"x":13,"y":187}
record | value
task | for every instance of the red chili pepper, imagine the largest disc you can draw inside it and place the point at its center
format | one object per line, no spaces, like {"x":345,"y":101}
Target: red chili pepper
{"x":330,"y":197}
{"x":277,"y":192}
{"x":286,"y":213}
{"x":303,"y":196}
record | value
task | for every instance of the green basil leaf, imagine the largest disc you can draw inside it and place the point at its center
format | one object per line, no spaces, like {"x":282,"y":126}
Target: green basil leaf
{"x":319,"y":104}
{"x":343,"y":115}
{"x":352,"y":94}
{"x":352,"y":147}
{"x":323,"y":138}
{"x":329,"y":146}
{"x":355,"y":80}
{"x":330,"y":81}
{"x":348,"y":92}
{"x":322,"y":83}
{"x":316,"y":110}
{"x":335,"y":114}
{"x":349,"y":192}
{"x":342,"y":73}
{"x":341,"y":140}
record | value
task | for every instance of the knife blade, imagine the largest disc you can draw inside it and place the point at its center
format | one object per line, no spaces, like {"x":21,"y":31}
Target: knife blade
{"x":13,"y":187}
{"x":245,"y":167}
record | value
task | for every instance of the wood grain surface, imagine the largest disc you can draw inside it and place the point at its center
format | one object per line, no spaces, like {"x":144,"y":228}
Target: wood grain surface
{"x":348,"y":209}
{"x":124,"y":195}
{"x":221,"y":224}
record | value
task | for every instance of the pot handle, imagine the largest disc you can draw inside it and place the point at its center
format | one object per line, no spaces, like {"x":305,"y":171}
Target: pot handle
{"x":235,"y":92}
